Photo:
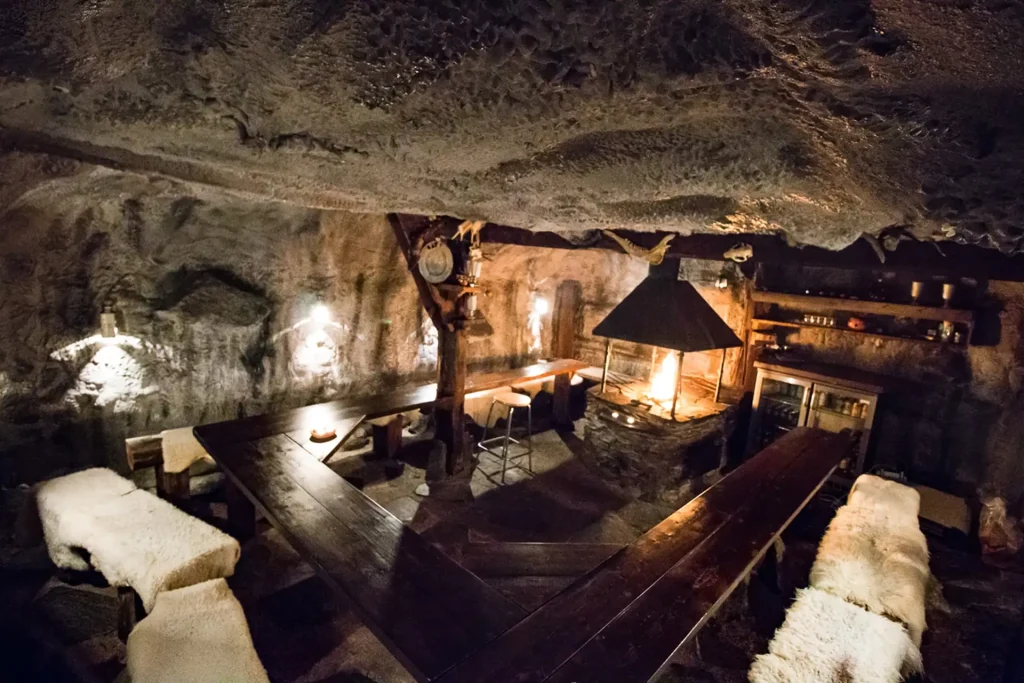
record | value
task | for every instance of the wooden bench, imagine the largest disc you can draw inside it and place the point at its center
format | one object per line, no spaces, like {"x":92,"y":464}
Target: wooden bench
{"x":625,"y":619}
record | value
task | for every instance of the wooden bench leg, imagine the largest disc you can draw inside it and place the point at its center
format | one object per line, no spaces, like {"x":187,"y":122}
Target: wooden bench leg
{"x":387,"y":440}
{"x":127,"y":613}
{"x":241,"y":512}
{"x":173,"y":486}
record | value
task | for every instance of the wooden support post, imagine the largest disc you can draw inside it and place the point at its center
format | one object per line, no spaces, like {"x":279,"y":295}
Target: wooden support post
{"x":679,"y":381}
{"x":241,"y":512}
{"x":607,"y":364}
{"x":721,"y":371}
{"x":450,"y":415}
{"x":127,"y":614}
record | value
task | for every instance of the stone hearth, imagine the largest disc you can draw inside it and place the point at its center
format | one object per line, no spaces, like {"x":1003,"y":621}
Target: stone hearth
{"x":652,"y":455}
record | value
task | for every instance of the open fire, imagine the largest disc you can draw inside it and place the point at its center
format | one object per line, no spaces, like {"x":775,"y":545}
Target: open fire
{"x":664,"y":381}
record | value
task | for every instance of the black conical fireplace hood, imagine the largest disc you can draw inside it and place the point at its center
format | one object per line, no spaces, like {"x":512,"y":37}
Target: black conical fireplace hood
{"x":667,"y":312}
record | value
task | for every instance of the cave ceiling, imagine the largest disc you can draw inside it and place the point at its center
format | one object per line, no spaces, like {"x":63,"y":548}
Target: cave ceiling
{"x":822,"y":119}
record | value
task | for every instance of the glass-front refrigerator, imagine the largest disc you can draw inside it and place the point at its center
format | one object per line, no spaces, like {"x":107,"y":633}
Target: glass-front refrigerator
{"x":784,"y":400}
{"x":780,"y":405}
{"x":836,"y":408}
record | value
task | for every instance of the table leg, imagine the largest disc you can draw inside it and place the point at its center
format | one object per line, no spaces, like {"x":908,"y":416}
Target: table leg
{"x":241,"y":512}
{"x":561,"y":411}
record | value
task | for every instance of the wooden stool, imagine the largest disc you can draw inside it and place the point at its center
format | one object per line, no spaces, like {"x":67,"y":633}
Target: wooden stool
{"x":511,"y":401}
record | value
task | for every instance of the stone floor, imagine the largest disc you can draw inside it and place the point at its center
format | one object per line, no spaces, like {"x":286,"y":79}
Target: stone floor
{"x":55,"y":631}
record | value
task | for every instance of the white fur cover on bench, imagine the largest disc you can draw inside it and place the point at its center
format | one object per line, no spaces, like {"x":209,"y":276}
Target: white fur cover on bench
{"x":62,"y":500}
{"x":875,"y":556}
{"x":195,"y":635}
{"x":180,"y":448}
{"x":825,"y":639}
{"x":890,"y":497}
{"x":133,"y":538}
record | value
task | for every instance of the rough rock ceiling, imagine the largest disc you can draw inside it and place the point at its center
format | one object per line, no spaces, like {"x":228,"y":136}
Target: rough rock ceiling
{"x":822,"y":118}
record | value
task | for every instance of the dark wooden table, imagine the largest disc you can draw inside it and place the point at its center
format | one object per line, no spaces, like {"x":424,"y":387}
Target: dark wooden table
{"x":347,"y":414}
{"x":620,"y":622}
{"x":427,"y":609}
{"x":626,"y":618}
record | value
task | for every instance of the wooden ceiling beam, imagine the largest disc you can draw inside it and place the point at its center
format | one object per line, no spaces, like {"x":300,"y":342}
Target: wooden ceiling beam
{"x":910,"y":256}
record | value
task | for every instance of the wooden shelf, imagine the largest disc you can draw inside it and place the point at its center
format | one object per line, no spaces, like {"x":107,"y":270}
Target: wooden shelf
{"x":803,"y":301}
{"x":846,"y":330}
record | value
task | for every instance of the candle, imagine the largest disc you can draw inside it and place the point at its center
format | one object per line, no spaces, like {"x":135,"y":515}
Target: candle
{"x":322,"y":433}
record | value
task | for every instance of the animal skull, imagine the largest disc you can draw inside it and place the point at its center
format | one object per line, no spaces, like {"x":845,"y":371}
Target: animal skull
{"x":740,"y":252}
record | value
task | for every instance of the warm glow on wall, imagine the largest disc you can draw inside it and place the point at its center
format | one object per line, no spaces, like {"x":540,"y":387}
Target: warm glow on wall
{"x":321,"y":315}
{"x":316,"y":353}
{"x":539,"y":307}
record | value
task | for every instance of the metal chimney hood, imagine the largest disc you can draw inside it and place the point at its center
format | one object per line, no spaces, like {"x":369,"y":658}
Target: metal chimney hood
{"x":667,"y":312}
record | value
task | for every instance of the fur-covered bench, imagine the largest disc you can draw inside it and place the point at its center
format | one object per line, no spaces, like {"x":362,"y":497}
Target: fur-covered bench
{"x":174,"y":454}
{"x":197,"y":634}
{"x":863,"y":616}
{"x":825,"y":638}
{"x":874,"y":554}
{"x":96,"y":519}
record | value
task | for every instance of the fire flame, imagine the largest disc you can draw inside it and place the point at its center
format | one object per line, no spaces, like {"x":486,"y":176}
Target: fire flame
{"x":663,"y":384}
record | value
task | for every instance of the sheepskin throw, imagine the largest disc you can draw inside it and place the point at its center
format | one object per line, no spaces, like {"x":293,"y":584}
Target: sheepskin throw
{"x":876,"y":558}
{"x":827,"y":640}
{"x":890,"y":497}
{"x":63,"y":499}
{"x":181,"y":449}
{"x":196,"y":635}
{"x":133,"y":538}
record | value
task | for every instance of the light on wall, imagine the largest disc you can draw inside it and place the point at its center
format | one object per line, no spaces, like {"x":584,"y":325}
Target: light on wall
{"x":539,"y":307}
{"x":108,"y":321}
{"x":321,"y":315}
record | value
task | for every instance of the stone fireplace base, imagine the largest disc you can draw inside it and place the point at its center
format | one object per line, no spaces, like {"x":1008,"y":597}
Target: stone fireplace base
{"x":654,"y":457}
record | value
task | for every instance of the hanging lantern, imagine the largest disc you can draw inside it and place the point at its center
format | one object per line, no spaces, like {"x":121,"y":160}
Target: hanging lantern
{"x":108,"y":321}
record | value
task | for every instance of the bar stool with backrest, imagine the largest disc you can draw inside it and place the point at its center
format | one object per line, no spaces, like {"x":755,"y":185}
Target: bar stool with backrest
{"x":500,"y":445}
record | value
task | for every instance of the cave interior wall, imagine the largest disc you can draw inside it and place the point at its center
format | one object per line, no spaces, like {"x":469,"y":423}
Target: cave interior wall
{"x":214,"y":294}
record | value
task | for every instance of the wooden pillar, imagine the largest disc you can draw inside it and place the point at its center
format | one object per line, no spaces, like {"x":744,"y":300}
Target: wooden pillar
{"x":241,"y":512}
{"x":450,"y":415}
{"x":563,"y":343}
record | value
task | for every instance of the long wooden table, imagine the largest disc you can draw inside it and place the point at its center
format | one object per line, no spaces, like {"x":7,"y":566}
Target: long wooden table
{"x":427,"y":609}
{"x":622,"y":621}
{"x":347,"y":414}
{"x":625,"y":619}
